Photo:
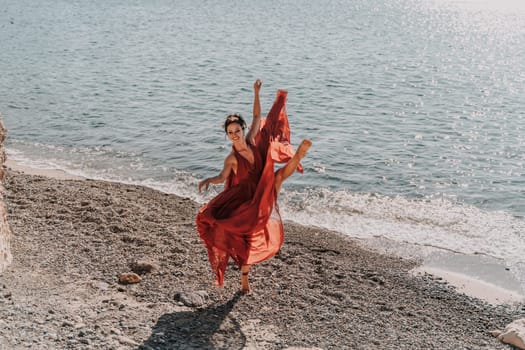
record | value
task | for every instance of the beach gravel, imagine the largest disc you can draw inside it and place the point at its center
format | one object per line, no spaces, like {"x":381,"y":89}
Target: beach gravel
{"x":72,"y":239}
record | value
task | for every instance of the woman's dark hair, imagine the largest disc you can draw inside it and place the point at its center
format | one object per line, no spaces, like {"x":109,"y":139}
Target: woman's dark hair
{"x":234,"y":118}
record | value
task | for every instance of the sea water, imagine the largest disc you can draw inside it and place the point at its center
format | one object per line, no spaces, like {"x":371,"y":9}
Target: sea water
{"x":415,"y":108}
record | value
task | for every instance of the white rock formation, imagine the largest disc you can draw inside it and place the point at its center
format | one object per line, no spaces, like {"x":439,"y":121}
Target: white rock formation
{"x":5,"y":233}
{"x":513,"y":334}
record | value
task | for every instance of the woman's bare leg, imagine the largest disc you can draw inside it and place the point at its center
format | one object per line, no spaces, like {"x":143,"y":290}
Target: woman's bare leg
{"x":287,"y":170}
{"x":281,"y":175}
{"x":245,"y":286}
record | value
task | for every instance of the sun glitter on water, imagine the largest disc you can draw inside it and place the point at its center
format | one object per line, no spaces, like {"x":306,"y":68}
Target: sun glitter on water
{"x":492,"y":5}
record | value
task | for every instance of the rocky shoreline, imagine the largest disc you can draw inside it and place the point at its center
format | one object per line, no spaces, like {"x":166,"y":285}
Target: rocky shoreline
{"x":73,"y":238}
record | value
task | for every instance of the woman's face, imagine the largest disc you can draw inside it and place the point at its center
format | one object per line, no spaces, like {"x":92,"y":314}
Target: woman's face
{"x":235,"y":132}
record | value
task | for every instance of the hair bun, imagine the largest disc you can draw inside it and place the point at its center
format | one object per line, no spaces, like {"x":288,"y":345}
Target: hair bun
{"x":234,"y":118}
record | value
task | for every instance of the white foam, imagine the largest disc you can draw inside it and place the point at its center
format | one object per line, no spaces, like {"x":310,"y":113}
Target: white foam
{"x":104,"y":163}
{"x":430,"y":222}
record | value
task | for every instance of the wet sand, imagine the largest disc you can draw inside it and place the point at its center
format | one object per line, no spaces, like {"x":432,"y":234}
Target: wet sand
{"x":73,"y":238}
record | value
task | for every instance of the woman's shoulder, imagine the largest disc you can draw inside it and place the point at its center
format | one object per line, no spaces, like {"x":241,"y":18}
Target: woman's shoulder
{"x":231,"y":158}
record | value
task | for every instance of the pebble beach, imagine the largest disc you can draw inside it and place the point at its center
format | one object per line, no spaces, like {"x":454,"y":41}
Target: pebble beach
{"x":72,"y":239}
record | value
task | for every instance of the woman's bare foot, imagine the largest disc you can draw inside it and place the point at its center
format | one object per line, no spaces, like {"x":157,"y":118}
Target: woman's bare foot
{"x":245,"y":285}
{"x":290,"y":167}
{"x":303,"y":148}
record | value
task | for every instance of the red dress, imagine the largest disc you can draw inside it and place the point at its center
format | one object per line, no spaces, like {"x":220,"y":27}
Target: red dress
{"x":243,"y":221}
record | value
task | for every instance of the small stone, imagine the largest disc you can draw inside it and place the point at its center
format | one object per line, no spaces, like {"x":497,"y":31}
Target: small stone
{"x":129,"y":277}
{"x":193,"y":299}
{"x":127,"y":341}
{"x":385,"y":308}
{"x":100,"y":285}
{"x":143,"y":266}
{"x":115,"y":331}
{"x":51,"y":336}
{"x":495,"y":333}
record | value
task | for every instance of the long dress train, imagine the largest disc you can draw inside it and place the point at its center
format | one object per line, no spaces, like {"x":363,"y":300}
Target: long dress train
{"x":243,"y":221}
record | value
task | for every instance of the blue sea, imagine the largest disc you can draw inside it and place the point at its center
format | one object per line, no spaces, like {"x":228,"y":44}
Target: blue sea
{"x":415,"y":107}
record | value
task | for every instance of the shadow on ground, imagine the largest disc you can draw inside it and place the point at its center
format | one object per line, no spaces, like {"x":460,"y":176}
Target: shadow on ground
{"x":207,"y":328}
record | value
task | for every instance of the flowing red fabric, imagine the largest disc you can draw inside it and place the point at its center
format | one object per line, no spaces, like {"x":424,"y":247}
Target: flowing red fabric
{"x":243,"y":221}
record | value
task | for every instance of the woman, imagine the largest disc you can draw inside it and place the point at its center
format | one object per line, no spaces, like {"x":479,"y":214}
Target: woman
{"x":243,"y":221}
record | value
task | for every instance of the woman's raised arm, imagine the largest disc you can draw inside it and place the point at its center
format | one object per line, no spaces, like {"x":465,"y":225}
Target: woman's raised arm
{"x":256,"y":122}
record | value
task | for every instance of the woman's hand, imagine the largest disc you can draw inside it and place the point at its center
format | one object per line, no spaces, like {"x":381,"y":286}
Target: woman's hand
{"x":205,"y":184}
{"x":230,"y":163}
{"x":257,"y":86}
